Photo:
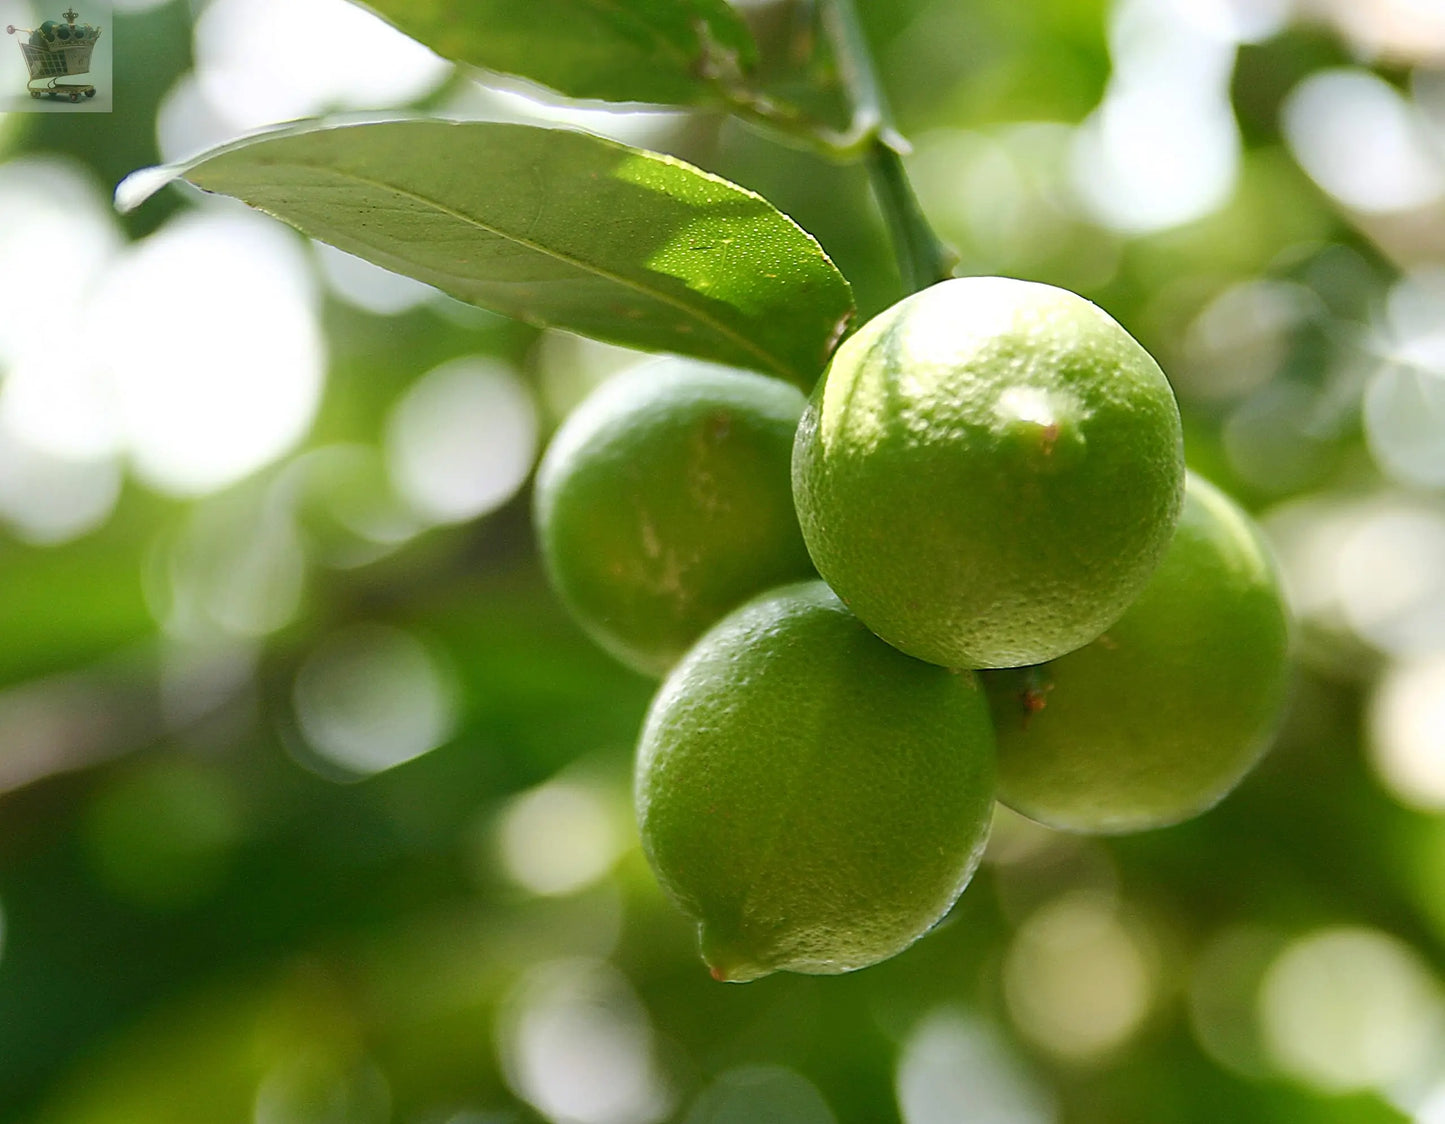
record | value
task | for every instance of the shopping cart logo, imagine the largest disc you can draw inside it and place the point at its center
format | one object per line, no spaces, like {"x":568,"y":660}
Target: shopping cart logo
{"x":55,"y":50}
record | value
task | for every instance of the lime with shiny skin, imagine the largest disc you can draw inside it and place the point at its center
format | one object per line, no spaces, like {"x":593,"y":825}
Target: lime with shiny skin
{"x":814,"y":798}
{"x":1159,"y":718}
{"x":989,"y":472}
{"x":664,"y":501}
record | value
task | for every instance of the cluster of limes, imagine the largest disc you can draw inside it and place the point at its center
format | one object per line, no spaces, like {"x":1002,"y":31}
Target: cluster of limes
{"x":990,"y":475}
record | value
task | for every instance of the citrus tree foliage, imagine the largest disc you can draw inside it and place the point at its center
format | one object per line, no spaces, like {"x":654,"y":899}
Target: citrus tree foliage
{"x":315,"y":805}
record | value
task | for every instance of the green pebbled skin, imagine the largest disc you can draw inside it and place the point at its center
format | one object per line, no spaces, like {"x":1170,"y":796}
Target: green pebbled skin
{"x":814,"y":798}
{"x":1162,"y":716}
{"x":989,"y":472}
{"x":664,"y":501}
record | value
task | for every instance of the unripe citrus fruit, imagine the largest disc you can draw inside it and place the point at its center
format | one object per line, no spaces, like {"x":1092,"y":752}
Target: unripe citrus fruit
{"x":1156,"y":720}
{"x":989,"y":472}
{"x":814,"y":798}
{"x":664,"y":501}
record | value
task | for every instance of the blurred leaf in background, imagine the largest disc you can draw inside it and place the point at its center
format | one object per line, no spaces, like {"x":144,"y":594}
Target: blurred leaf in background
{"x":314,"y":805}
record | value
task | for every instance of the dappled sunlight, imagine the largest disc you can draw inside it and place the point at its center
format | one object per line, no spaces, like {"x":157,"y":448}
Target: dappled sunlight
{"x":1078,"y":980}
{"x":956,"y":1067}
{"x":369,"y":287}
{"x":561,"y":837}
{"x":1005,"y":200}
{"x":236,"y":568}
{"x":1241,"y":339}
{"x":1399,"y":31}
{"x":643,"y":126}
{"x":59,"y":475}
{"x":1404,"y":404}
{"x":1371,"y":567}
{"x":48,"y":498}
{"x":186,"y":125}
{"x":1278,"y":438}
{"x":1407,"y":731}
{"x":346,"y":505}
{"x":461,"y":440}
{"x":371,"y":697}
{"x":1430,"y":1108}
{"x":261,"y":61}
{"x":1362,"y":141}
{"x":577,"y":1044}
{"x":1234,"y":21}
{"x":209,"y":339}
{"x":55,"y":229}
{"x":1162,"y":149}
{"x":1351,"y":1009}
{"x":57,"y":400}
{"x":570,"y":367}
{"x":1391,"y":577}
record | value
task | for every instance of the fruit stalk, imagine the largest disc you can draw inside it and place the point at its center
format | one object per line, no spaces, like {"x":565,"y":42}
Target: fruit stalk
{"x":923,"y":259}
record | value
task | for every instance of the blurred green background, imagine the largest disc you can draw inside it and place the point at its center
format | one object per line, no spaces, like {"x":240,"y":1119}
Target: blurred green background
{"x":314,"y":805}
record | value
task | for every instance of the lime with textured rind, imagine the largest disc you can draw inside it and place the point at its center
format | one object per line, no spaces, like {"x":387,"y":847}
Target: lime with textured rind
{"x":989,"y":472}
{"x":814,"y":798}
{"x":1158,"y":719}
{"x":664,"y":501}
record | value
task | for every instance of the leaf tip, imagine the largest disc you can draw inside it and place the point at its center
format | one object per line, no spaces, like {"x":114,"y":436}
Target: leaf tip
{"x":140,"y":185}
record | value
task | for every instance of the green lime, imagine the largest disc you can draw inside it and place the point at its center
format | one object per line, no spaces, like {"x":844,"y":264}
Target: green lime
{"x":1156,"y":720}
{"x":664,"y":501}
{"x":989,"y":472}
{"x":814,"y":798}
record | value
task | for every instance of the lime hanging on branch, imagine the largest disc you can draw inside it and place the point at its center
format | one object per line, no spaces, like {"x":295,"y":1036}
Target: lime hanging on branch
{"x":1159,"y":718}
{"x":989,"y":472}
{"x":814,"y":798}
{"x":664,"y":501}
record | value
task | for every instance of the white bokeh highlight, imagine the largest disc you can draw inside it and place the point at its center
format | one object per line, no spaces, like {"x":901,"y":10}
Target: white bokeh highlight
{"x":1162,"y":148}
{"x":372,"y":697}
{"x":369,"y":287}
{"x":577,"y":1045}
{"x":461,"y":440}
{"x":1350,"y":1010}
{"x":1407,"y":732}
{"x":1362,"y":141}
{"x":259,"y":62}
{"x":957,"y":1069}
{"x":1390,"y":576}
{"x":1404,"y":402}
{"x":56,"y":230}
{"x":235,"y":570}
{"x":48,"y":498}
{"x":559,"y":838}
{"x":1241,"y":338}
{"x":209,"y":340}
{"x":1077,"y":980}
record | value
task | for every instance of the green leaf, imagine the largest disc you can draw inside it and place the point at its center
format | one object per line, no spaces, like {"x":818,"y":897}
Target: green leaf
{"x":553,"y":227}
{"x":673,"y":51}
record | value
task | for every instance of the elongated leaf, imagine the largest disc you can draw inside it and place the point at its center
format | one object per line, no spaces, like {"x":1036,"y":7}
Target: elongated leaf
{"x":672,"y":51}
{"x":553,"y":227}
